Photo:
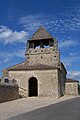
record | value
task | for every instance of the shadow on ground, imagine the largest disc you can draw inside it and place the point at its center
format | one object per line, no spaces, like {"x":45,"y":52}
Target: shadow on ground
{"x":66,"y":110}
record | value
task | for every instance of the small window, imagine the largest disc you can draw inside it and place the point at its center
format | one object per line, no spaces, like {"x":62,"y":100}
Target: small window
{"x":28,"y":57}
{"x":35,"y":50}
{"x":29,"y":51}
{"x":55,"y":56}
{"x":6,"y":80}
{"x":41,"y":50}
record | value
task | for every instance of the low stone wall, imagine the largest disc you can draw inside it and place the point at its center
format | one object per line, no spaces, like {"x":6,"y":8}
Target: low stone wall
{"x":8,"y":92}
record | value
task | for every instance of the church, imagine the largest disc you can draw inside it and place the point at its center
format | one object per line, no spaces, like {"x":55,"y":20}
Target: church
{"x":42,"y":74}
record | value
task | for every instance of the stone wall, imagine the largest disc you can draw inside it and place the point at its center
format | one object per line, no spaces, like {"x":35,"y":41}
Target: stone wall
{"x":47,"y":81}
{"x":71,"y":88}
{"x":60,"y":84}
{"x":47,"y":56}
{"x":8,"y":92}
{"x":61,"y":80}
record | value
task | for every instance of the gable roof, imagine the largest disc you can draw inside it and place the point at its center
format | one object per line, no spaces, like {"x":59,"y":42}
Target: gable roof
{"x":41,"y":33}
{"x":27,"y":66}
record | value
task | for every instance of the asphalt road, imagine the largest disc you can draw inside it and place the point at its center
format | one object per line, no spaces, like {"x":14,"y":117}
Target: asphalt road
{"x":66,"y":110}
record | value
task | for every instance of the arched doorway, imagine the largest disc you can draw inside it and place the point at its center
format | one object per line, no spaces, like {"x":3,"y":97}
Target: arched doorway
{"x":33,"y":87}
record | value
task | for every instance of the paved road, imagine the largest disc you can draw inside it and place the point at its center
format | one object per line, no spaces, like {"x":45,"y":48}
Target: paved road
{"x":66,"y":110}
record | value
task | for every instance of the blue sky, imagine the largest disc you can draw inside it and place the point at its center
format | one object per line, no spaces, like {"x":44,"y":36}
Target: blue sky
{"x":19,"y":19}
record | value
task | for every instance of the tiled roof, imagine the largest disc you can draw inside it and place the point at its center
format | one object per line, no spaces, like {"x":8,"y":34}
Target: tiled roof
{"x":41,"y":33}
{"x":26,"y":66}
{"x":71,"y":80}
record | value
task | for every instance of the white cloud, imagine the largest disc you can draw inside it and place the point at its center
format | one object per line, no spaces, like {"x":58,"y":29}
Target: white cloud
{"x":74,"y":74}
{"x":69,"y":60}
{"x":68,"y":43}
{"x":67,"y":21}
{"x":32,"y":22}
{"x":20,"y":53}
{"x":7,"y":56}
{"x":9,"y":36}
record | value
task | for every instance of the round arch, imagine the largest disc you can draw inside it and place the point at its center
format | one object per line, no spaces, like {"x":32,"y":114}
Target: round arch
{"x":33,"y":87}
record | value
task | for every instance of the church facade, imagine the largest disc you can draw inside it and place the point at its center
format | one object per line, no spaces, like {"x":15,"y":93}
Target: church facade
{"x":42,"y":74}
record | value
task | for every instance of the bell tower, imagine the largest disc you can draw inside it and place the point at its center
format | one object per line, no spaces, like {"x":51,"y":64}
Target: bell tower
{"x":42,"y":48}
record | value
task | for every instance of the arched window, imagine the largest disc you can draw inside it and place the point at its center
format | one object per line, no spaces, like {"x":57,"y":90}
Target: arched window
{"x":6,"y":80}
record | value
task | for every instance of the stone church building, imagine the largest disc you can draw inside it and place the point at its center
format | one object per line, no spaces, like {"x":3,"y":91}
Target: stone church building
{"x":42,"y":74}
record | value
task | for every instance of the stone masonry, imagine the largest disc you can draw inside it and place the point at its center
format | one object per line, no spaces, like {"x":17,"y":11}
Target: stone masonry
{"x":42,"y":74}
{"x":71,"y":87}
{"x":8,"y":92}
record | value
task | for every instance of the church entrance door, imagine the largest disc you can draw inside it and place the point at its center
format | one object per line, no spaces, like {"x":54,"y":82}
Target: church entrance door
{"x":33,"y":87}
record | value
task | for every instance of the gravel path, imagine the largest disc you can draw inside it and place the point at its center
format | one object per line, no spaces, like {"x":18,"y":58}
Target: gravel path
{"x":16,"y":107}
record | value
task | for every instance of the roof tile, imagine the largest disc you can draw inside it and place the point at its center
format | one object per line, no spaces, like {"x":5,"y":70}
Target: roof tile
{"x":41,"y":33}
